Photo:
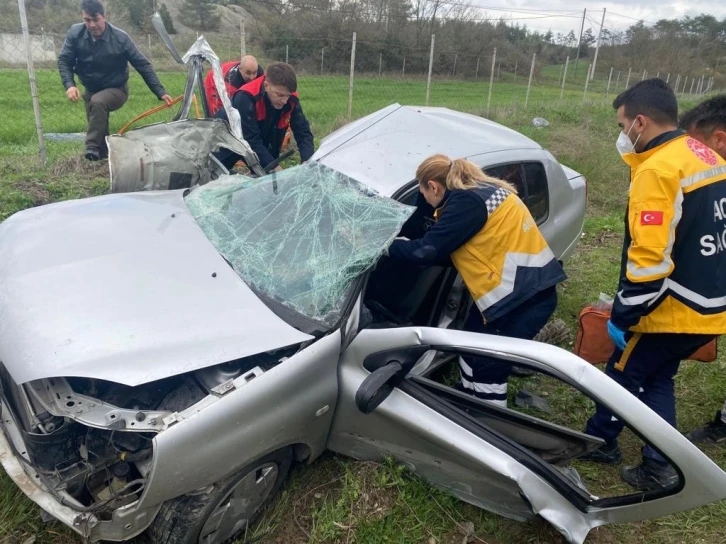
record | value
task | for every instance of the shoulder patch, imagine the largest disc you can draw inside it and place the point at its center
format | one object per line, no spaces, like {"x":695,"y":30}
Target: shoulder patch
{"x":701,"y":151}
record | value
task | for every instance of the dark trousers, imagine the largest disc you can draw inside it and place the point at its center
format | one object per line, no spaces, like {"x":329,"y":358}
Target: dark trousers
{"x":646,"y":368}
{"x":486,"y":377}
{"x":98,"y":107}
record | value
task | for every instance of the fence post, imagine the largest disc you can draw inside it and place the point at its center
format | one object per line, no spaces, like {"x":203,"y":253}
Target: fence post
{"x":627,"y":81}
{"x":514,"y":80}
{"x":431,"y":66}
{"x":287,"y":52}
{"x":529,"y":85}
{"x":456,"y":58}
{"x":33,"y":86}
{"x":352,"y":75}
{"x":657,"y":75}
{"x":668,"y":78}
{"x":491,"y":80}
{"x":322,"y":60}
{"x":700,"y":88}
{"x":610,"y":78}
{"x":617,"y":81}
{"x":242,"y":38}
{"x":644,"y":72}
{"x":499,"y":70}
{"x":693,"y":80}
{"x":564,"y":77}
{"x":678,"y":81}
{"x":380,"y":63}
{"x":149,"y":38}
{"x":587,"y":81}
{"x":476,"y":75}
{"x":404,"y":66}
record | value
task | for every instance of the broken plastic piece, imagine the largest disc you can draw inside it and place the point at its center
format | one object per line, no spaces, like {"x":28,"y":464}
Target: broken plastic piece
{"x":300,"y":236}
{"x":540,"y":122}
{"x":525,"y":399}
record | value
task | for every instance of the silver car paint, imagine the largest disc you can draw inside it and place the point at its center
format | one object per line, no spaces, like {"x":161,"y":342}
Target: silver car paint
{"x":452,"y":458}
{"x":124,"y":288}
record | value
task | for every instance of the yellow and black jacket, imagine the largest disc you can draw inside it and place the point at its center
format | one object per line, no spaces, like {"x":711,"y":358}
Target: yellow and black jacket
{"x":494,"y":243}
{"x":673,"y":269}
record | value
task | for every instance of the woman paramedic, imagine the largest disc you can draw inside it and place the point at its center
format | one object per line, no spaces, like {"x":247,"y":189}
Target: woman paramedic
{"x":487,"y":232}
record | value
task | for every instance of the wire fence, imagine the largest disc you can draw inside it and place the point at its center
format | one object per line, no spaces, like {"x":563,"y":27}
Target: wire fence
{"x":338,"y":80}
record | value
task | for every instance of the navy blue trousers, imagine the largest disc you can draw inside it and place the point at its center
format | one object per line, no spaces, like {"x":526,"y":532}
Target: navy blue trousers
{"x":646,"y":368}
{"x":486,"y":377}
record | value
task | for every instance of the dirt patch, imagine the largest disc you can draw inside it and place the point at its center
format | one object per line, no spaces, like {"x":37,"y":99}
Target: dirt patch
{"x":79,"y":167}
{"x":35,"y":191}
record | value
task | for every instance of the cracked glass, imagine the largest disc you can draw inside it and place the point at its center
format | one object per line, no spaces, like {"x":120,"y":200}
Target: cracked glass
{"x":300,"y":236}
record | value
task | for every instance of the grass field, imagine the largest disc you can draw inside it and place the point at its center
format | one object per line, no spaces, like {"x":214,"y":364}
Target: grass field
{"x":337,"y":499}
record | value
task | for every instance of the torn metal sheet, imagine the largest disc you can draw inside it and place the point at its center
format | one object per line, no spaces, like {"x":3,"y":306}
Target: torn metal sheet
{"x":300,"y":236}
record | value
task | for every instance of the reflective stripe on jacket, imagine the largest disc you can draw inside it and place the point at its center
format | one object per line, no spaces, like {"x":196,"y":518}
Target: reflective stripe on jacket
{"x":508,"y":260}
{"x":673,"y":269}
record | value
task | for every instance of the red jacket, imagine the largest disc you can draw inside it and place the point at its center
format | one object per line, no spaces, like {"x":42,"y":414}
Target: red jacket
{"x":232,"y":81}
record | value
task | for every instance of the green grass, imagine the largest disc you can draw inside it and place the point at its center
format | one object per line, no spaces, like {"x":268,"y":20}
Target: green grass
{"x":341,"y":500}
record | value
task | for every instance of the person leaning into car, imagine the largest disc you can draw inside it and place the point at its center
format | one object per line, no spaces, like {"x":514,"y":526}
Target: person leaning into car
{"x":99,"y":54}
{"x":489,"y":235}
{"x":672,"y":290}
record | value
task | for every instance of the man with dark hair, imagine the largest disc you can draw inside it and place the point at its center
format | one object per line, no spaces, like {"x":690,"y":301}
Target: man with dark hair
{"x":267,"y":107}
{"x":672,"y":291}
{"x":235,"y":75}
{"x":99,"y":54}
{"x":707,"y":124}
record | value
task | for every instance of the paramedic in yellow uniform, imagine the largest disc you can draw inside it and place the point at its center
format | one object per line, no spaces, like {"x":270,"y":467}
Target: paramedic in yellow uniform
{"x":671,"y":298}
{"x":487,"y":232}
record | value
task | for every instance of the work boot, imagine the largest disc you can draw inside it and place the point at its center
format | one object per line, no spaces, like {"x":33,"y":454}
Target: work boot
{"x":712,"y":433}
{"x":607,"y":454}
{"x":92,"y":154}
{"x":650,"y":475}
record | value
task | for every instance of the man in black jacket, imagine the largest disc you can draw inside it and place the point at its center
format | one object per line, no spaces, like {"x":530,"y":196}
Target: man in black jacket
{"x":268,"y":106}
{"x":99,"y":54}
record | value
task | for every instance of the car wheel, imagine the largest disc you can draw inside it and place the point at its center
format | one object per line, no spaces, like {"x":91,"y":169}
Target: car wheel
{"x":225,"y":511}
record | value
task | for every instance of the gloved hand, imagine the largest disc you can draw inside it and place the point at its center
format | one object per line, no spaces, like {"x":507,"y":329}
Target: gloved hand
{"x":402,"y":238}
{"x":616,"y":335}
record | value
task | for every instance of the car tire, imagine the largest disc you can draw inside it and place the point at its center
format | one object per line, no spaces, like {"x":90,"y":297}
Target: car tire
{"x":220,"y":514}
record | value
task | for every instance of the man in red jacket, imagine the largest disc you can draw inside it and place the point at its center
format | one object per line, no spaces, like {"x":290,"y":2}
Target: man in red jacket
{"x":235,"y":74}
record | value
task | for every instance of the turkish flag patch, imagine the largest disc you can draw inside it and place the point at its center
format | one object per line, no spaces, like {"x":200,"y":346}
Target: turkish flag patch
{"x":651,"y":218}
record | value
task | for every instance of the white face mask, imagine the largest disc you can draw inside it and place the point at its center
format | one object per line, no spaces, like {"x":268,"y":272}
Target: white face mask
{"x":623,"y":143}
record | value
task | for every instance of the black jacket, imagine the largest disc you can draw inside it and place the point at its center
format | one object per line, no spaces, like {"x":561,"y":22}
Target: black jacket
{"x":103,"y":63}
{"x":234,"y":77}
{"x":264,"y":137}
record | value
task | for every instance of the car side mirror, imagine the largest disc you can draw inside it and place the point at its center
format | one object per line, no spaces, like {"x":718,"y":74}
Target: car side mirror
{"x":377,"y":386}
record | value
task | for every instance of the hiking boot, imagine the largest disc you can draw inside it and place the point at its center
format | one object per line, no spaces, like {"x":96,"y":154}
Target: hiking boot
{"x":650,"y":475}
{"x":712,"y":433}
{"x":92,"y":155}
{"x":607,"y":454}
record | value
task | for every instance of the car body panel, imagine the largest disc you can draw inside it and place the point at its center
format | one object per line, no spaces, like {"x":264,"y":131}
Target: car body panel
{"x":448,"y":456}
{"x":124,"y":288}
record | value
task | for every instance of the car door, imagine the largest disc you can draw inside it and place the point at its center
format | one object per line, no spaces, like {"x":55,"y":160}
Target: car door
{"x":505,"y":461}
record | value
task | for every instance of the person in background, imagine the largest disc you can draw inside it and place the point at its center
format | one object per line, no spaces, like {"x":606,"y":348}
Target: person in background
{"x":268,"y":107}
{"x":707,"y":124}
{"x":672,"y":288}
{"x":235,"y":75}
{"x":99,"y":54}
{"x":487,"y":232}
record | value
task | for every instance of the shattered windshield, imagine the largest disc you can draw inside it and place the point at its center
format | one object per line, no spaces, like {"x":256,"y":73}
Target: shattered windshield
{"x":300,"y":236}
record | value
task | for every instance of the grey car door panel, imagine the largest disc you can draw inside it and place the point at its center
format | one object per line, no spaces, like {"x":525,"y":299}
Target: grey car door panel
{"x":497,"y":459}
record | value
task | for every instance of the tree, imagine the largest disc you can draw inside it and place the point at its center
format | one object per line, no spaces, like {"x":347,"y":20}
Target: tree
{"x":166,"y":18}
{"x":199,"y":14}
{"x":138,"y":12}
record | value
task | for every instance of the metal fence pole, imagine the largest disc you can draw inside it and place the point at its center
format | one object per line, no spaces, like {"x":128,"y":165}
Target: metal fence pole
{"x":380,"y":63}
{"x":514,"y":80}
{"x":499,"y":70}
{"x":491,"y":80}
{"x":627,"y":81}
{"x":644,"y":73}
{"x":668,"y":78}
{"x":678,"y":81}
{"x":150,"y":56}
{"x":456,"y":58}
{"x":403,"y":71}
{"x":33,"y":86}
{"x":700,"y":88}
{"x":352,"y":76}
{"x":587,"y":81}
{"x":322,"y":60}
{"x":242,"y":39}
{"x":657,"y":75}
{"x":617,"y":82}
{"x":431,"y":66}
{"x":564,"y":77}
{"x":529,"y":85}
{"x":287,"y":54}
{"x":476,"y":75}
{"x":693,"y":80}
{"x":610,"y":78}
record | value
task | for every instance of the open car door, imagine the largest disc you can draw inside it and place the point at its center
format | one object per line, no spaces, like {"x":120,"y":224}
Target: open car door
{"x":507,"y":461}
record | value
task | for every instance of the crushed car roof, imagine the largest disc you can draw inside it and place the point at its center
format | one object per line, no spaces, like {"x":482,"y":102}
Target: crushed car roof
{"x":384,"y":149}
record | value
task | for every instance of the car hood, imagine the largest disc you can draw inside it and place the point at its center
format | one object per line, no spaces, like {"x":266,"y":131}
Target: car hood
{"x":124,"y":288}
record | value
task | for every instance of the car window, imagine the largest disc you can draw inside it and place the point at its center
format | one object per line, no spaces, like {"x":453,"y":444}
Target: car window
{"x":299,"y":237}
{"x":530,"y":180}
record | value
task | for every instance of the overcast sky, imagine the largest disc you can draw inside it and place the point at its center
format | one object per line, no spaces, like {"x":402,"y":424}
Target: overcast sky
{"x":562,"y":15}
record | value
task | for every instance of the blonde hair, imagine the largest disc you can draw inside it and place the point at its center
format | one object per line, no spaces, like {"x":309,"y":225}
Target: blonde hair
{"x":456,"y":174}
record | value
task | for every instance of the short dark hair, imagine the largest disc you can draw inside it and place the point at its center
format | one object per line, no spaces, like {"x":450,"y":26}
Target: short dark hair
{"x":708,"y":116}
{"x":281,"y":73}
{"x":92,"y":7}
{"x":652,"y":98}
